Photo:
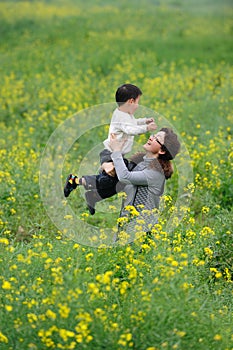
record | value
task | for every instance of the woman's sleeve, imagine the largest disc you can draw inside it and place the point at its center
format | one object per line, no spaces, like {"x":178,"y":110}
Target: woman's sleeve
{"x":126,"y":176}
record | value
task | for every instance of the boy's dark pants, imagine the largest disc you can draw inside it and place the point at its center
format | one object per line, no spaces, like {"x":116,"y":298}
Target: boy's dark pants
{"x":100,"y":187}
{"x":103,"y":186}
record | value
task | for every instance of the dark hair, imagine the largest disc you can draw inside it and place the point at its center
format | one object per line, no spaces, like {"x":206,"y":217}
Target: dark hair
{"x":171,"y":145}
{"x":163,"y":166}
{"x":125,"y":92}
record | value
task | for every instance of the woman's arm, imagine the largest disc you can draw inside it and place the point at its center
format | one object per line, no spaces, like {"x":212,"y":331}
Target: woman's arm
{"x":123,"y":174}
{"x":126,"y":176}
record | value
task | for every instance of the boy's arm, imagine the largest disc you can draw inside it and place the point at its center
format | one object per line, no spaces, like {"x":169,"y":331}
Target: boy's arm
{"x":129,"y":128}
{"x":135,"y":129}
{"x":143,"y":121}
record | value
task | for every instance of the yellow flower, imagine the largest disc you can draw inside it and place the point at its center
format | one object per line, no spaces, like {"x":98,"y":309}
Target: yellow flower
{"x":205,"y":210}
{"x":6,"y":285}
{"x":64,"y":310}
{"x":128,"y":336}
{"x":209,"y":252}
{"x":4,"y":241}
{"x":32,"y":317}
{"x":93,"y":288}
{"x":218,"y":275}
{"x":124,"y":286}
{"x":122,"y":220}
{"x":68,"y":217}
{"x":3,"y":338}
{"x":125,"y":340}
{"x":217,"y":337}
{"x":65,"y":334}
{"x":13,"y":211}
{"x":133,"y":211}
{"x":114,"y":325}
{"x":50,"y":314}
{"x":76,"y":246}
{"x":88,"y":269}
{"x":8,"y":308}
{"x":206,"y":231}
{"x":89,"y":256}
{"x":181,"y":333}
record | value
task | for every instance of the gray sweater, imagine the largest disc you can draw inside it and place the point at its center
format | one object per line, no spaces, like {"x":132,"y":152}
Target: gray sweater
{"x":144,"y":185}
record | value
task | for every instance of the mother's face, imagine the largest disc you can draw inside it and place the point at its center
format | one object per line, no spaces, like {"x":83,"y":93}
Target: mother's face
{"x":155,"y":142}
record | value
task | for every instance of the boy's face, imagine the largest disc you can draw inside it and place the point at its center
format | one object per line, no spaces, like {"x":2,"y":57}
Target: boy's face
{"x":133,"y":104}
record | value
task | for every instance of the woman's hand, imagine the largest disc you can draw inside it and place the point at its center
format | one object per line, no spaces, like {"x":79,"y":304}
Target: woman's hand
{"x":116,"y":145}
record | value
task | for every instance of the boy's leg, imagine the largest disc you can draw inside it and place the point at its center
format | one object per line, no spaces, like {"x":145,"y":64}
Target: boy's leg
{"x":105,"y":181}
{"x":99,"y":187}
{"x":92,"y":197}
{"x":73,"y":181}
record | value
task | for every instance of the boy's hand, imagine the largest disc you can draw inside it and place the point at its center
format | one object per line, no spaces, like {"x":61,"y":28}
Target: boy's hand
{"x":151,"y":127}
{"x":149,"y":120}
{"x":108,"y":167}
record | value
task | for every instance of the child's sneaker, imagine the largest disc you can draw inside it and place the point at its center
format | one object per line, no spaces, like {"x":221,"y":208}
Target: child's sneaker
{"x":70,"y":185}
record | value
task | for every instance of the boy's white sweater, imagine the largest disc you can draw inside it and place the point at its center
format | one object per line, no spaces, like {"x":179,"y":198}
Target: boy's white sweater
{"x":125,"y":126}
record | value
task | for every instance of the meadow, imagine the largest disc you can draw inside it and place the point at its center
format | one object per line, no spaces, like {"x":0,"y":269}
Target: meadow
{"x":172,"y":290}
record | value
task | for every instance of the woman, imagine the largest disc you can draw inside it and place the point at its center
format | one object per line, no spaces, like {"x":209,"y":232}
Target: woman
{"x":144,"y":185}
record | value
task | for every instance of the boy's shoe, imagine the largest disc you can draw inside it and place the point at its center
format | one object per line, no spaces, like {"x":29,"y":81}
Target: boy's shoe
{"x":91,"y":209}
{"x":70,"y":184}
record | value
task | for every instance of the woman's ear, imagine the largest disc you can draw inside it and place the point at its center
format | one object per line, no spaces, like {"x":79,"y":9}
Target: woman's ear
{"x":161,"y":151}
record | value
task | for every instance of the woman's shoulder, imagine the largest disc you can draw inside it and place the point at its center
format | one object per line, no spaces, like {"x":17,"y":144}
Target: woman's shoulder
{"x":164,"y":167}
{"x":137,"y":157}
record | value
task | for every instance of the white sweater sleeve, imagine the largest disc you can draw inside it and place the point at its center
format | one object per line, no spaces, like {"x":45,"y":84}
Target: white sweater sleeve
{"x":133,"y":129}
{"x":141,"y":121}
{"x":127,"y":124}
{"x":129,"y":127}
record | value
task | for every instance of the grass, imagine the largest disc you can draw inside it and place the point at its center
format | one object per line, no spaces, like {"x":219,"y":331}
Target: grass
{"x":170,"y":292}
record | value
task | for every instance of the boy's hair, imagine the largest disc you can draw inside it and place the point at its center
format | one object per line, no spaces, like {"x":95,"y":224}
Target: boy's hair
{"x":171,"y":145}
{"x":125,"y":92}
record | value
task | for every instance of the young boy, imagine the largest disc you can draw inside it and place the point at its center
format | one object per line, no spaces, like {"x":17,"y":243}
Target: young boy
{"x":125,"y":126}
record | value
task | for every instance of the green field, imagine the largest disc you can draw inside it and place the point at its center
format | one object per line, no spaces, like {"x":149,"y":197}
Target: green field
{"x":60,"y":59}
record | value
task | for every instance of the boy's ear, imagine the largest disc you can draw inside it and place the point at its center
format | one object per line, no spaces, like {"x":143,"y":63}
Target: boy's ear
{"x":131,"y":100}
